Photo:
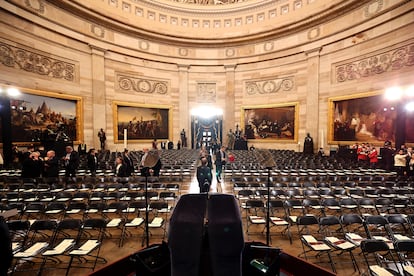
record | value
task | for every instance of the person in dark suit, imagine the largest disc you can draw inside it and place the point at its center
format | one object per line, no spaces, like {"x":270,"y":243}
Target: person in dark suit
{"x":71,"y":161}
{"x":51,"y":165}
{"x":32,"y":166}
{"x":120,"y":167}
{"x":129,"y":164}
{"x":92,"y":161}
{"x":204,"y":176}
{"x":220,"y":161}
{"x":6,"y":252}
{"x":308,"y":145}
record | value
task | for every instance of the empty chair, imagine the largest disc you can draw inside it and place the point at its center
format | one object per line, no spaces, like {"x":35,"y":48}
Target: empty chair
{"x":378,"y":257}
{"x":88,"y":246}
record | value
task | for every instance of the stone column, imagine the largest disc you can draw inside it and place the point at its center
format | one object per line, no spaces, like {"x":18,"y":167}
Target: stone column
{"x":98,"y":94}
{"x":184,"y":119}
{"x":312,"y":98}
{"x":229,"y":100}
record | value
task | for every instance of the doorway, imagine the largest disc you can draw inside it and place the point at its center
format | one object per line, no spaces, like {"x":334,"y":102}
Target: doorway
{"x":206,"y":131}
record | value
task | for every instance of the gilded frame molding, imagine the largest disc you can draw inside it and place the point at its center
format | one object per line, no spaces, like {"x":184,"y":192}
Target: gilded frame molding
{"x":281,"y":116}
{"x":56,"y":105}
{"x":358,"y":118}
{"x":132,"y":114}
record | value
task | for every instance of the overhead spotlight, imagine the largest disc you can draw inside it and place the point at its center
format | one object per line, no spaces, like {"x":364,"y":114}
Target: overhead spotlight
{"x":393,"y":93}
{"x":12,"y":91}
{"x":410,"y":91}
{"x":392,"y":108}
{"x":409,"y":107}
{"x":385,"y":109}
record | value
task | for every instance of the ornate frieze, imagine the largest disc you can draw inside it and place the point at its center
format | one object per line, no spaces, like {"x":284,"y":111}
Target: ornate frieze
{"x":206,"y":92}
{"x":30,"y":61}
{"x":36,"y":5}
{"x":142,"y":85}
{"x":269,"y":86}
{"x":390,"y":60}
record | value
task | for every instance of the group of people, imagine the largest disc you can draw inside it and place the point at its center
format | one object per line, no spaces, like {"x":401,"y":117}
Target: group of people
{"x":401,"y":160}
{"x":204,"y":171}
{"x":37,"y":163}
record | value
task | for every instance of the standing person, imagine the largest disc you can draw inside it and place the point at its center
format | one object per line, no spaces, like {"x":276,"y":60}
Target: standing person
{"x":82,"y":148}
{"x":230,"y":139}
{"x":400,"y":162}
{"x":32,"y":166}
{"x":120,"y":168}
{"x":411,"y":166}
{"x":204,"y":176}
{"x":220,"y":161}
{"x":102,"y":138}
{"x":6,"y":252}
{"x":51,"y":165}
{"x":183,"y":139}
{"x":373,"y":157}
{"x":308,"y":145}
{"x":155,"y":144}
{"x":71,"y":162}
{"x":92,"y":161}
{"x":129,"y":164}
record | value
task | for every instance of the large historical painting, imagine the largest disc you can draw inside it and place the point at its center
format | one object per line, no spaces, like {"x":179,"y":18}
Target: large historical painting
{"x":365,"y":118}
{"x":39,"y":116}
{"x":270,"y":122}
{"x":142,"y":122}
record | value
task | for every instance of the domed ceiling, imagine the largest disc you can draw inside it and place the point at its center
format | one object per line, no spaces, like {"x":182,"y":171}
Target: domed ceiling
{"x":210,"y":22}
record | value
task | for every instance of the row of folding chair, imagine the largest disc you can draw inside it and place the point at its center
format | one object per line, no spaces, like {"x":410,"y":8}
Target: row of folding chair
{"x":371,"y":233}
{"x":51,"y":244}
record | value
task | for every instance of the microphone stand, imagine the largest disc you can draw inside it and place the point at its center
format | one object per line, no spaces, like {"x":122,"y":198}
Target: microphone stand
{"x":146,"y":209}
{"x":268,"y":207}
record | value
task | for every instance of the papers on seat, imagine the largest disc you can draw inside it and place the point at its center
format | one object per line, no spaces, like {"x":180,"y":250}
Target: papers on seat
{"x":293,"y":218}
{"x":400,"y":237}
{"x":135,"y":222}
{"x":315,"y":244}
{"x":379,"y":270}
{"x":60,"y":248}
{"x":114,"y":222}
{"x":156,"y":222}
{"x":409,"y":269}
{"x":354,"y":238}
{"x":256,"y":219}
{"x":278,"y":221}
{"x":386,"y":240}
{"x":340,"y":243}
{"x":73,"y":211}
{"x":32,"y":251}
{"x":86,"y":248}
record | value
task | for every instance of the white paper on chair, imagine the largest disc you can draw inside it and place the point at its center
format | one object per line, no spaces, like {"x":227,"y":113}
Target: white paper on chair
{"x":355,"y":238}
{"x":156,"y":222}
{"x":114,"y":222}
{"x":32,"y":251}
{"x":386,"y":240}
{"x":409,"y":269}
{"x":278,"y":221}
{"x":85,"y":248}
{"x":256,"y":219}
{"x":315,"y":244}
{"x":400,"y":237}
{"x":60,"y":248}
{"x":135,"y":222}
{"x":340,"y":243}
{"x":380,"y":271}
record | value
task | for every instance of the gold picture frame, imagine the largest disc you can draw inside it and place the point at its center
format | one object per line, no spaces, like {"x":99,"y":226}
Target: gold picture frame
{"x":364,"y":117}
{"x":143,"y":122}
{"x":271,"y":123}
{"x":38,"y":116}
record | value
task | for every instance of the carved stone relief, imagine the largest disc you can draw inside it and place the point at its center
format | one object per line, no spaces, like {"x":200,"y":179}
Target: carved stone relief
{"x":206,"y":92}
{"x":390,"y":60}
{"x":269,"y":86}
{"x":36,"y":5}
{"x":30,"y":61}
{"x":142,"y":85}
